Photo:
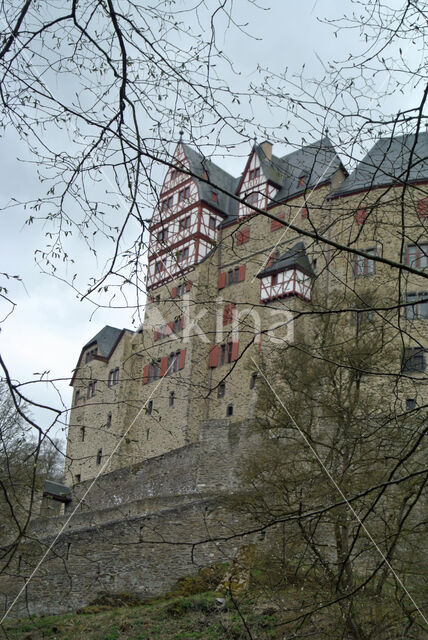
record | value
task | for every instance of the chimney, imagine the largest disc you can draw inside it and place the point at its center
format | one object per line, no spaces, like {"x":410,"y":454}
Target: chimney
{"x":267,"y":149}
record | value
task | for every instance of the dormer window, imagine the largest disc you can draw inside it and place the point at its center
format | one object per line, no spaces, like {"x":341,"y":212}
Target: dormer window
{"x":254,"y":173}
{"x":90,"y":355}
{"x":301,"y":181}
{"x":214,"y":196}
{"x":252,"y":198}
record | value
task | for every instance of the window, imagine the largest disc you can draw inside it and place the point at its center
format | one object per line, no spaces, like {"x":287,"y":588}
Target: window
{"x":159,"y":266}
{"x":252,"y":198}
{"x":233,"y":276}
{"x":167,"y":203}
{"x":413,"y":359}
{"x":254,"y":173}
{"x":253,"y":380}
{"x":274,"y":279}
{"x":301,"y":181}
{"x":221,"y":390}
{"x":150,"y":407}
{"x":92,"y":389}
{"x":108,"y":423}
{"x":113,"y":377}
{"x":410,"y":404}
{"x":184,"y":194}
{"x":162,"y":235}
{"x":90,"y":355}
{"x":417,"y":255}
{"x":154,"y":370}
{"x":99,"y":456}
{"x":171,"y":398}
{"x":364,"y":266}
{"x":182,"y":254}
{"x":181,"y":288}
{"x":78,"y":477}
{"x":229,"y":410}
{"x":173,"y":362}
{"x":173,"y":174}
{"x":212,"y":223}
{"x":77,"y":397}
{"x":214,"y":196}
{"x":82,"y":434}
{"x":229,"y":352}
{"x":184,"y":223}
{"x":243,"y":235}
{"x":419,"y":306}
{"x":222,"y":354}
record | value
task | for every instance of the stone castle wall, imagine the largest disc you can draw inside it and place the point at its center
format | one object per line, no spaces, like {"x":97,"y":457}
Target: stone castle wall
{"x":138,"y":529}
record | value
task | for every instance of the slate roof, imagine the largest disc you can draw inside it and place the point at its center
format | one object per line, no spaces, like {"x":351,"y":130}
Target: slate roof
{"x":294,"y":257}
{"x":387,"y":164}
{"x":217,"y":175}
{"x":105,"y":340}
{"x":58,"y":491}
{"x":317,"y":161}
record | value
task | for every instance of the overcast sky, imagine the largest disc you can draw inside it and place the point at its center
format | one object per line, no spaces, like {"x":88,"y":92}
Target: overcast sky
{"x":50,"y":324}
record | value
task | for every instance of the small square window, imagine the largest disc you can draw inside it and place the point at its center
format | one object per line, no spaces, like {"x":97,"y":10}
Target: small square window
{"x":78,"y":477}
{"x":301,"y":181}
{"x":214,"y":196}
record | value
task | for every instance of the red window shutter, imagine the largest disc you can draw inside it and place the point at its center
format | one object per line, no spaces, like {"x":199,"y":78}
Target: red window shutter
{"x":188,"y":286}
{"x":304,"y":213}
{"x":182,"y":359}
{"x":235,"y":350}
{"x":163,"y":365}
{"x":171,"y":326}
{"x":155,"y":335}
{"x":360,"y":216}
{"x":243,"y":235}
{"x":241,"y":273}
{"x":182,"y":322}
{"x":174,"y":292}
{"x":274,"y":224}
{"x":214,"y":351}
{"x":222,"y":280}
{"x":422,"y":208}
{"x":227,"y":314}
{"x":146,"y":374}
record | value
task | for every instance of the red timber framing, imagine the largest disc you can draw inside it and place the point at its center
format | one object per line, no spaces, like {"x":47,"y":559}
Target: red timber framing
{"x":293,"y":283}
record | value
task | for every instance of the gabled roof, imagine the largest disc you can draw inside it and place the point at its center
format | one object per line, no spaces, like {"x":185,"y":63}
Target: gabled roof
{"x":294,"y":257}
{"x":387,"y":163}
{"x":271,"y":168}
{"x":105,"y":340}
{"x":217,"y":176}
{"x":317,"y":161}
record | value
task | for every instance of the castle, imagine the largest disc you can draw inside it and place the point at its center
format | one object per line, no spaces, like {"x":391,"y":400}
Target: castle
{"x":224,"y":283}
{"x":161,"y":417}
